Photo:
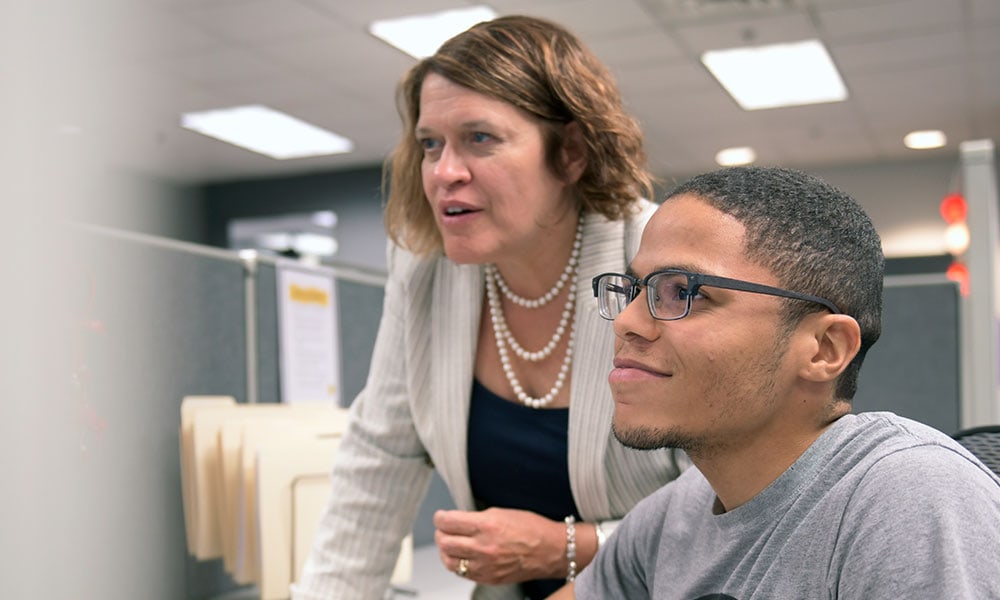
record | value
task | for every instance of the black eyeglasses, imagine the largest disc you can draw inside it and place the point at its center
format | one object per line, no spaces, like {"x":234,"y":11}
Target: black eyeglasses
{"x":669,"y":292}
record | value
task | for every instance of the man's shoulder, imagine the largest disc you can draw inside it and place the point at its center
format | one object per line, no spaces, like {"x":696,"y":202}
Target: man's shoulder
{"x":895,"y":457}
{"x":878,"y":433}
{"x":688,"y":491}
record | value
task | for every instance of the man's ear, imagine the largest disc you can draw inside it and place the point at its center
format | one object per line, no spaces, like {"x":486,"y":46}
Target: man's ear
{"x":574,"y":152}
{"x":834,"y":342}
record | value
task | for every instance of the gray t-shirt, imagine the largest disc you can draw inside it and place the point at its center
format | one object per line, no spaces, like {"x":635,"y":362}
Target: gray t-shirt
{"x":879,"y":507}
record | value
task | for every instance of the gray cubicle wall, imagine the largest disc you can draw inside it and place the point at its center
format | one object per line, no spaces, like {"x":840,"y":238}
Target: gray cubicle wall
{"x":914,"y":368}
{"x":163,"y":320}
{"x":359,"y":307}
{"x":166,"y":321}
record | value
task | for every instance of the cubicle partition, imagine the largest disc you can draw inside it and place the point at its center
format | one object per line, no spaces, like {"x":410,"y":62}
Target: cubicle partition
{"x":161,"y":320}
{"x":156,"y":321}
{"x":915,"y":367}
{"x":359,"y":306}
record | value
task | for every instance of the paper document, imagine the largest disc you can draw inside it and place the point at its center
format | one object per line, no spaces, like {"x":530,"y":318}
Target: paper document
{"x":309,"y":357}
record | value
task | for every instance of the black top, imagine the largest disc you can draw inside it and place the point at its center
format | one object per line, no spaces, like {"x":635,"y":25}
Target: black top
{"x":518,"y":459}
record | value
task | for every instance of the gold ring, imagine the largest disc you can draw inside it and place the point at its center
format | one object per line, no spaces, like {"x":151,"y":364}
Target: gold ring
{"x":463,"y":567}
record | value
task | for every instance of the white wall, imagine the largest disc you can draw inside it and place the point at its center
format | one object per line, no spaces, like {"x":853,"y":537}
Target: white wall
{"x":902,"y":198}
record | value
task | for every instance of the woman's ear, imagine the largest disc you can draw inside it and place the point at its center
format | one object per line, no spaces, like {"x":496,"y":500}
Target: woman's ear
{"x":834,"y":342}
{"x":574,"y":152}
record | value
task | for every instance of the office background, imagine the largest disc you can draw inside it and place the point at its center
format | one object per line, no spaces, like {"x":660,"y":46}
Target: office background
{"x":92,"y":501}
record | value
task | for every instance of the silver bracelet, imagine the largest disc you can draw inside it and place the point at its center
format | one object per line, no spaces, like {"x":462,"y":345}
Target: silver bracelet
{"x":571,"y":547}
{"x":601,"y":536}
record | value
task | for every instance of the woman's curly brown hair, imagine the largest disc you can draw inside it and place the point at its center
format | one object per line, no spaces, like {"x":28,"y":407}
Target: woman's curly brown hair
{"x":546,"y":71}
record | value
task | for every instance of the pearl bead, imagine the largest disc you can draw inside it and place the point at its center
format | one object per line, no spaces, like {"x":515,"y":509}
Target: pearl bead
{"x":563,"y":278}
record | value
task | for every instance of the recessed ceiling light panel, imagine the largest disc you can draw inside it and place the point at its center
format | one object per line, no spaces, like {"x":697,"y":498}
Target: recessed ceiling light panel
{"x":777,"y":75}
{"x":731,"y":157}
{"x":925,"y":140}
{"x":266,"y":131}
{"x":421,"y":35}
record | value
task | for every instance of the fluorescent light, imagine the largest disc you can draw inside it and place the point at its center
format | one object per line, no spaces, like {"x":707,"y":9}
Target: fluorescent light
{"x":315,"y":245}
{"x":925,"y":140}
{"x":275,"y":240}
{"x":324,"y":218}
{"x":956,"y":238}
{"x":266,"y":131}
{"x":421,"y":35}
{"x":777,"y":75}
{"x":731,"y":157}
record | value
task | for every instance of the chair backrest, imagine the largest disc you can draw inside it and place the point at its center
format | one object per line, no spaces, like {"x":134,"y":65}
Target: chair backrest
{"x":984,"y":442}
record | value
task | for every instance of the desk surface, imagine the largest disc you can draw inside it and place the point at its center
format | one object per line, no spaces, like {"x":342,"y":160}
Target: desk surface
{"x":430,"y":581}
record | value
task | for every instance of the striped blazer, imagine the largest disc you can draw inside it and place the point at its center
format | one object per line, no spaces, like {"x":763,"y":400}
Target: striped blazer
{"x":412,"y":417}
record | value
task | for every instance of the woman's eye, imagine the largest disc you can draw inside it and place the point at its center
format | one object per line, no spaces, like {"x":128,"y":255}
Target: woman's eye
{"x":480,"y":137}
{"x":428,"y":144}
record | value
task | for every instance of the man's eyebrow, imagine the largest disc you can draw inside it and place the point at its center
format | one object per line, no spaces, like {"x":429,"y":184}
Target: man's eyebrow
{"x":684,"y":268}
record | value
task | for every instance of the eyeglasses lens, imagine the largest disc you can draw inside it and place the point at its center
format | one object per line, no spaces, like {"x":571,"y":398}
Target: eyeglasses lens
{"x":668,"y":295}
{"x":615,"y":295}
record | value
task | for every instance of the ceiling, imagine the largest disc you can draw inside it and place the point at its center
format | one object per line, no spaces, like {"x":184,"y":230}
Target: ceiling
{"x":908,"y":64}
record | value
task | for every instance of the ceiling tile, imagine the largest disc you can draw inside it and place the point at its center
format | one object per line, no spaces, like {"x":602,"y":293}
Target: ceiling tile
{"x":259,"y":21}
{"x":624,"y":51}
{"x":360,"y":14}
{"x":895,"y":52}
{"x":984,"y":11}
{"x":219,"y":68}
{"x":593,"y":19}
{"x":985,"y":43}
{"x":336,"y":58}
{"x":673,"y":77}
{"x":887,"y":95}
{"x":878,"y":19}
{"x":770,"y":30}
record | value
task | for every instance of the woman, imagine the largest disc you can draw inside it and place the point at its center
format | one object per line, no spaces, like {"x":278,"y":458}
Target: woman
{"x":517,"y":179}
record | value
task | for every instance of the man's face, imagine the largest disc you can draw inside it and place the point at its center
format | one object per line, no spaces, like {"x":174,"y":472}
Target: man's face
{"x":717,"y":377}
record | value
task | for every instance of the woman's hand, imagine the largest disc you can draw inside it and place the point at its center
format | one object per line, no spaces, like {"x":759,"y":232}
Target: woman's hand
{"x":501,"y":545}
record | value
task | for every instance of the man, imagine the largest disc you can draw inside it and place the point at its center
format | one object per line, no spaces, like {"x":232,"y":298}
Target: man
{"x":740,"y":332}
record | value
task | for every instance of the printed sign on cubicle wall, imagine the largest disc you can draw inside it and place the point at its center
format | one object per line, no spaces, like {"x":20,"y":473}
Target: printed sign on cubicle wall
{"x":308,"y":333}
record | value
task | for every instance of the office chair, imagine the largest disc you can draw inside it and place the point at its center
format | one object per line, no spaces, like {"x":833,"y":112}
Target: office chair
{"x":984,"y":442}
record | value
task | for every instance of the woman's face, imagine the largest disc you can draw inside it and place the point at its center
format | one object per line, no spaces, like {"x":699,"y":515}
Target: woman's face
{"x":484,"y":173}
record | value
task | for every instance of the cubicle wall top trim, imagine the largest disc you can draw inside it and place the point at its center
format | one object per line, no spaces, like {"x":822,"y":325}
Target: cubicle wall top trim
{"x":347,"y":272}
{"x":917,"y":279}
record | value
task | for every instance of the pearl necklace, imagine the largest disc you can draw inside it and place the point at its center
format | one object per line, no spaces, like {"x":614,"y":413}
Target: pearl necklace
{"x":552,"y":293}
{"x":503,"y":336}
